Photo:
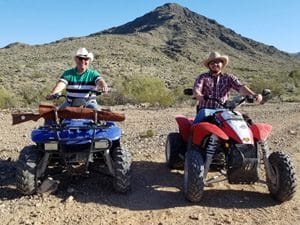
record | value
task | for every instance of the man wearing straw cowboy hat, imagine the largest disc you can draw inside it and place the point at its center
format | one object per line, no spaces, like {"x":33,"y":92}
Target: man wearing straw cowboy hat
{"x":80,"y":80}
{"x":216,"y":84}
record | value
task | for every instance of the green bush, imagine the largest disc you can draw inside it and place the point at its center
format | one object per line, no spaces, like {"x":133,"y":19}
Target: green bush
{"x":295,"y":76}
{"x":139,"y":89}
{"x":258,"y":84}
{"x":147,"y":89}
{"x":7,"y":100}
{"x":31,"y":96}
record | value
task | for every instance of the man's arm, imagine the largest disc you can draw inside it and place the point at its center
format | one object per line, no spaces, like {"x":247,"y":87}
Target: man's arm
{"x":197,"y":90}
{"x":59,"y":87}
{"x":244,"y":90}
{"x":101,"y":84}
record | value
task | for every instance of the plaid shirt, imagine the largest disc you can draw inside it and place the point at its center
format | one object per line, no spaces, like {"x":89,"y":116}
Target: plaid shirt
{"x":215,"y":87}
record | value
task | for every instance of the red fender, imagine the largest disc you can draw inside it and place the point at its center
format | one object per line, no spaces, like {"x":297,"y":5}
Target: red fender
{"x":184,"y":125}
{"x":261,"y":131}
{"x":203,"y":129}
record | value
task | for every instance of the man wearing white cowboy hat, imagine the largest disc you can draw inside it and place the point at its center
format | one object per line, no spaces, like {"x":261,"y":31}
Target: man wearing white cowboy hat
{"x":216,"y":84}
{"x":80,"y":80}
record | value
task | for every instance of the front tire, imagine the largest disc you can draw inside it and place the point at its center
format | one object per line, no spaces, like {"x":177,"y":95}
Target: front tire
{"x":174,"y":145}
{"x":193,"y":186}
{"x":122,"y":166}
{"x":26,"y":167}
{"x":283,"y":184}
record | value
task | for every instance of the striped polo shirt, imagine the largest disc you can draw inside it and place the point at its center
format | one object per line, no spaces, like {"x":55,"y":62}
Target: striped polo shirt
{"x":79,"y":86}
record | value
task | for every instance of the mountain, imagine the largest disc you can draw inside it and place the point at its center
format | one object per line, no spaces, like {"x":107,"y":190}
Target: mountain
{"x":297,"y":55}
{"x":169,"y":42}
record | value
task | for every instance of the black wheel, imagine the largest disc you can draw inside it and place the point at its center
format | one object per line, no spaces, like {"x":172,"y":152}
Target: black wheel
{"x":282,"y":184}
{"x":26,"y":180}
{"x":174,"y":146}
{"x":193,"y":185}
{"x":122,"y":166}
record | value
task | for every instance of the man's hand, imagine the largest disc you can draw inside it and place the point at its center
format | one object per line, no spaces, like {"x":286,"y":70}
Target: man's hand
{"x":258,"y":98}
{"x":50,"y":97}
{"x":200,"y":98}
{"x":105,"y":89}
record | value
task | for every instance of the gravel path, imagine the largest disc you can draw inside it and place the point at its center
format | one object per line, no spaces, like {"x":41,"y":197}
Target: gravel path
{"x":156,"y":196}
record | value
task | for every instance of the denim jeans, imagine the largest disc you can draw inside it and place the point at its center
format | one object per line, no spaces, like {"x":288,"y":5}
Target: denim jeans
{"x":203,"y":113}
{"x":92,"y":104}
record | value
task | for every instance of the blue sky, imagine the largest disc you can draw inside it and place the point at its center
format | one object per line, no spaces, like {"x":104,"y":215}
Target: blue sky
{"x":273,"y":22}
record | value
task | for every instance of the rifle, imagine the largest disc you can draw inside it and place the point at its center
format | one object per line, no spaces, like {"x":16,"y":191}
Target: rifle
{"x":49,"y":112}
{"x":46,"y":111}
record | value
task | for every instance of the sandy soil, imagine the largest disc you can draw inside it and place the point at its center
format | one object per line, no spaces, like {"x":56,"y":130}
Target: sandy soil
{"x":156,"y":196}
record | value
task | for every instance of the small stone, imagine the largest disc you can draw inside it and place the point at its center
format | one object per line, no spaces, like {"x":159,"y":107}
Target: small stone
{"x":194,"y":217}
{"x":70,"y":199}
{"x":292,"y":132}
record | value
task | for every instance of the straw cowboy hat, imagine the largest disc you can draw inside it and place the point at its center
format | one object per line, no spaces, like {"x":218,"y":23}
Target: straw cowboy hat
{"x":216,"y":55}
{"x":83,"y":53}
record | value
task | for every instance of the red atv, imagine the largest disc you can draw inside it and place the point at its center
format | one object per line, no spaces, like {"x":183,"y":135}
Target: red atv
{"x":229,"y":143}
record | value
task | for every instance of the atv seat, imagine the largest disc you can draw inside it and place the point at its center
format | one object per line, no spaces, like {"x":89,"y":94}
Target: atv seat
{"x":184,"y":125}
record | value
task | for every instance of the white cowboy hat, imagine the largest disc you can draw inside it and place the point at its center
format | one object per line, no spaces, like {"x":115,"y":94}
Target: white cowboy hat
{"x":216,"y":55}
{"x":82,"y":52}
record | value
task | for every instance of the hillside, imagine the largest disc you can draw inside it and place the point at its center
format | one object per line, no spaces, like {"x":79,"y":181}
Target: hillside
{"x":170,"y":42}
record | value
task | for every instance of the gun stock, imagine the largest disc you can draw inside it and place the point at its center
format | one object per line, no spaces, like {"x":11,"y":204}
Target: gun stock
{"x":24,"y":117}
{"x":46,"y":111}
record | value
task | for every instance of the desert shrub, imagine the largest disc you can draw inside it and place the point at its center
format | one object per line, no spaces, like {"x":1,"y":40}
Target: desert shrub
{"x":258,"y":84}
{"x":295,"y":76}
{"x":147,"y":89}
{"x":139,"y":89}
{"x":33,"y":96}
{"x":147,"y":134}
{"x":7,"y":99}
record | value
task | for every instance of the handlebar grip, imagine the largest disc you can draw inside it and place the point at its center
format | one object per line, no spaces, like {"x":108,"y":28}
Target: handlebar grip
{"x":250,"y":98}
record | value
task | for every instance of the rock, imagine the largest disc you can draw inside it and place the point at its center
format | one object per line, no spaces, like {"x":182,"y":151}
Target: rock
{"x":69,"y":199}
{"x":292,"y":132}
{"x":49,"y":185}
{"x":194,"y":217}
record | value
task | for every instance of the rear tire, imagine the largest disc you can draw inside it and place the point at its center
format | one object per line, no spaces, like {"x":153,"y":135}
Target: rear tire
{"x":174,"y":146}
{"x":26,"y":179}
{"x":284,"y":185}
{"x":193,"y":186}
{"x":122,"y":166}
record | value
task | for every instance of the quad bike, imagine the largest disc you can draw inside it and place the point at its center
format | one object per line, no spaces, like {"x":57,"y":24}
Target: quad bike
{"x":74,"y":140}
{"x":231,"y":144}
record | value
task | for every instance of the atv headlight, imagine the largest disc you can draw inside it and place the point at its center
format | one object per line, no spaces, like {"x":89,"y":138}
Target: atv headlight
{"x":51,"y":146}
{"x":102,"y":144}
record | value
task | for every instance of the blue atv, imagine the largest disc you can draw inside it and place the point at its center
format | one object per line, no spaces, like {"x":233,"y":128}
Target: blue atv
{"x":74,"y":145}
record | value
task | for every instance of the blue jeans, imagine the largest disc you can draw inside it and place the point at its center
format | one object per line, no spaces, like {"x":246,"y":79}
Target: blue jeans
{"x":92,"y":104}
{"x":203,"y":113}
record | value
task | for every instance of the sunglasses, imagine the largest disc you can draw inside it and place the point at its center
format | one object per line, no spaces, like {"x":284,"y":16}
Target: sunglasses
{"x":81,"y":58}
{"x":215,"y":62}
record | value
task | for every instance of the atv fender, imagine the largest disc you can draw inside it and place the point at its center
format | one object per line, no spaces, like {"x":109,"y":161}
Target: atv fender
{"x":203,"y":129}
{"x":184,"y":125}
{"x":261,"y":131}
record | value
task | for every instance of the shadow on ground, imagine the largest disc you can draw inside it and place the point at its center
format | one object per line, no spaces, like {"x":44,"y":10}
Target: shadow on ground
{"x":153,"y":187}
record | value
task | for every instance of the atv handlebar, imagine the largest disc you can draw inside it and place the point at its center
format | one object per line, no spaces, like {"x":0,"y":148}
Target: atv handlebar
{"x":231,"y":104}
{"x":59,"y":95}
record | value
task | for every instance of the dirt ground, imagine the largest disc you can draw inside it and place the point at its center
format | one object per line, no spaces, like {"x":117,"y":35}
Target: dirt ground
{"x":156,"y":196}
